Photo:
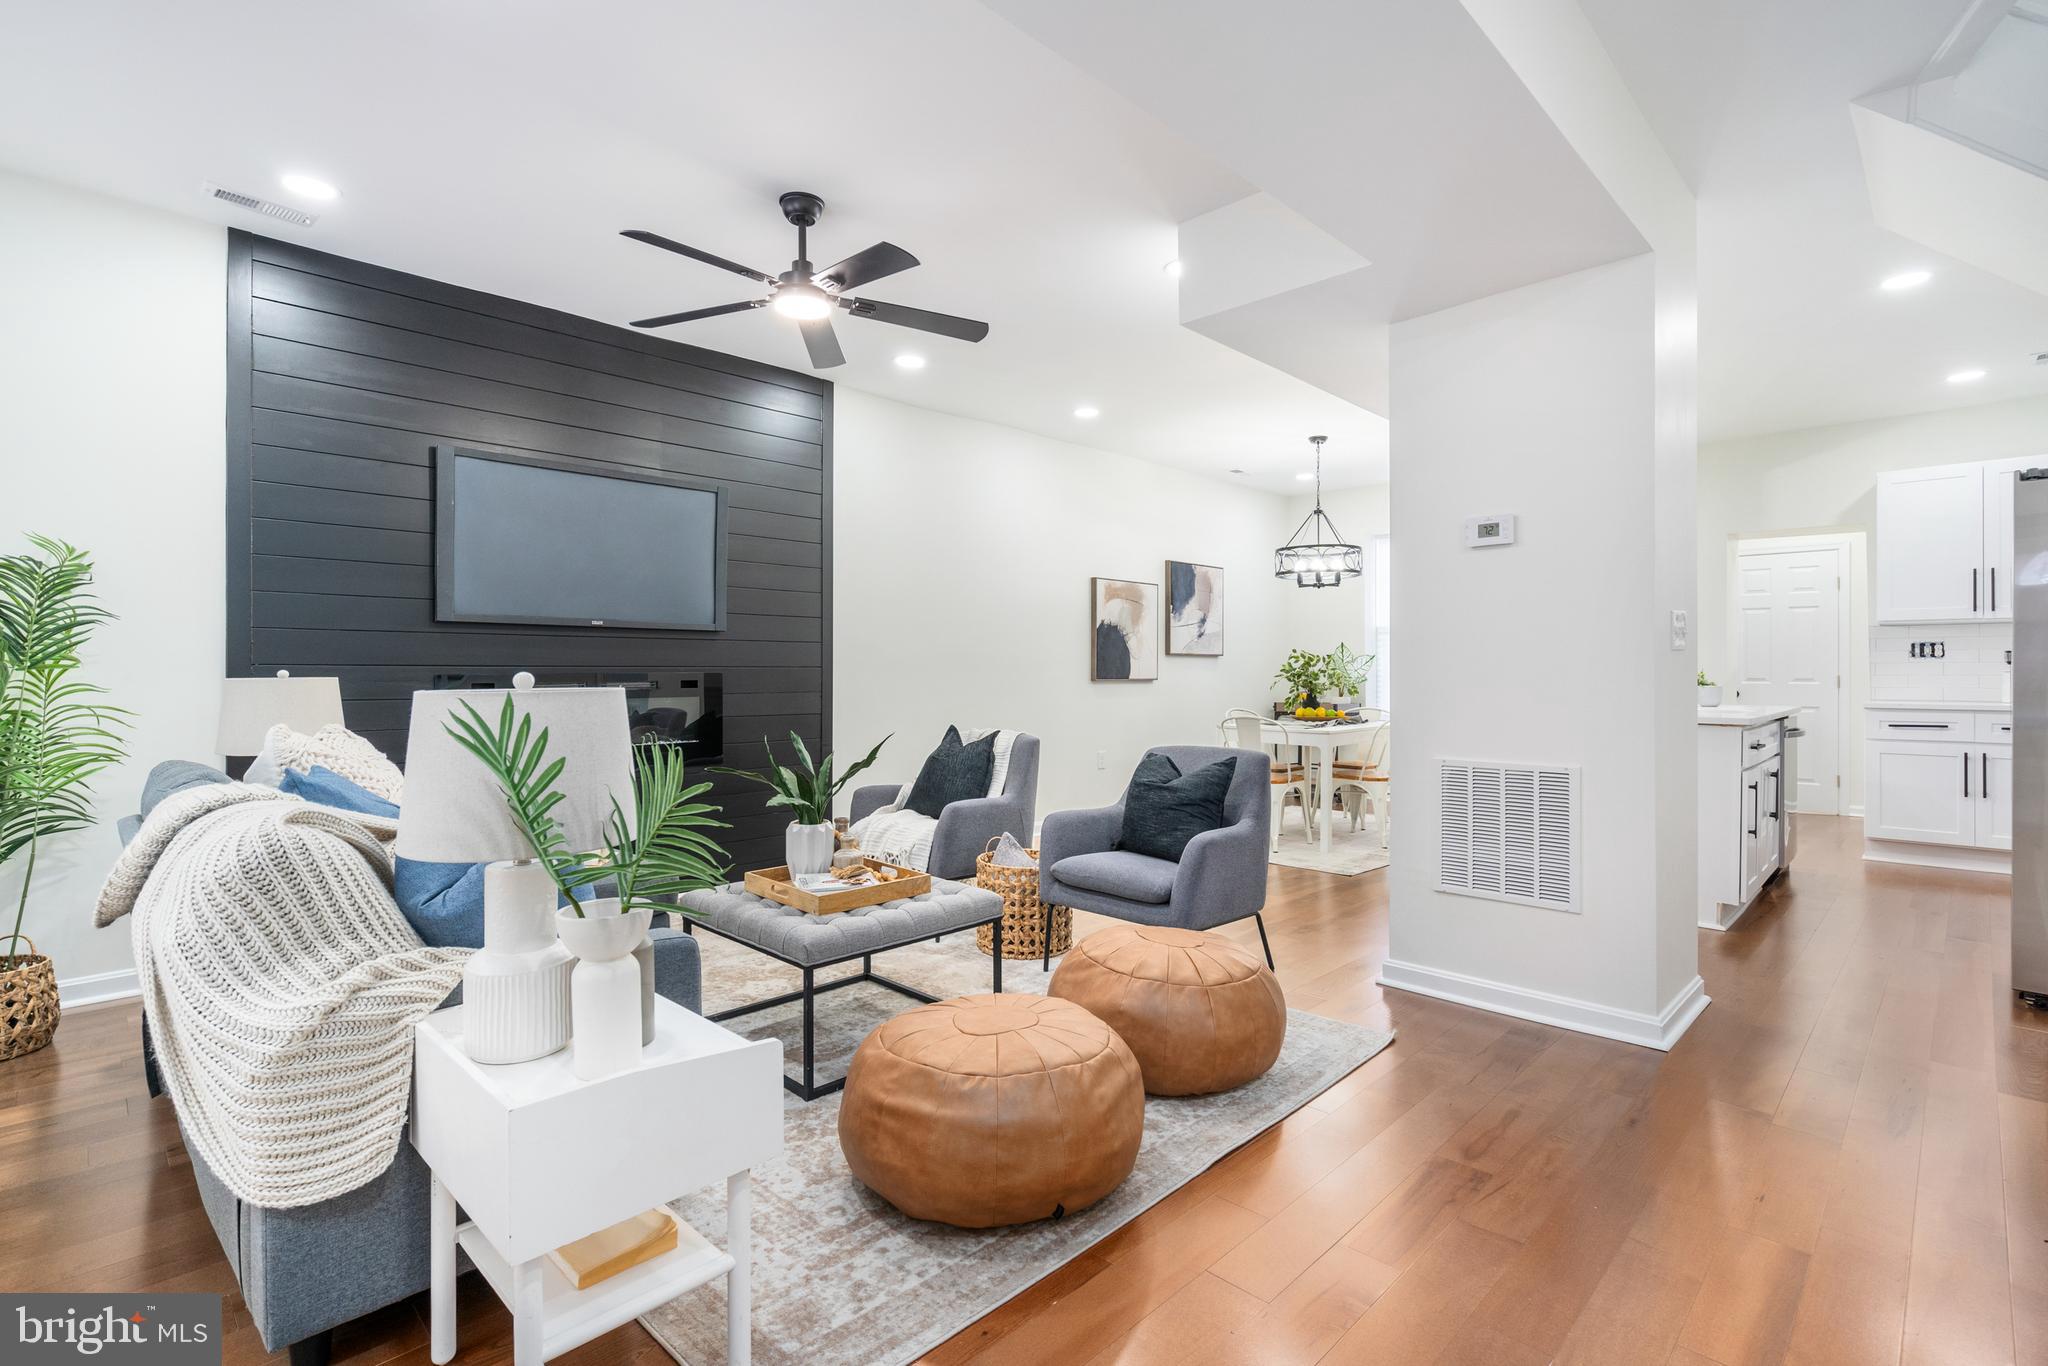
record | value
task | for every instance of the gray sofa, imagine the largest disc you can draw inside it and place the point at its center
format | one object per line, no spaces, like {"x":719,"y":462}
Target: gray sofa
{"x":305,"y":1271}
{"x":1221,"y":875}
{"x":965,"y":828}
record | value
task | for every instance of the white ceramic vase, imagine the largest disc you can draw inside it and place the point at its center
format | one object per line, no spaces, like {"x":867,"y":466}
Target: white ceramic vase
{"x":1710,"y":695}
{"x":515,"y":990}
{"x":604,"y":990}
{"x":809,"y":849}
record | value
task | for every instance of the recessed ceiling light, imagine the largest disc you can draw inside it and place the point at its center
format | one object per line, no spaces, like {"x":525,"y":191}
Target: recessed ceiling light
{"x":308,"y":187}
{"x":1087,"y":411}
{"x":1306,"y":474}
{"x":1966,"y":377}
{"x":909,"y":360}
{"x":1173,"y":267}
{"x":1905,"y":279}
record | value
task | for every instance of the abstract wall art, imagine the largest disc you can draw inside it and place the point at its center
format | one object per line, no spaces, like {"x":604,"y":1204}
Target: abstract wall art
{"x":1124,"y":615}
{"x":1194,"y":609}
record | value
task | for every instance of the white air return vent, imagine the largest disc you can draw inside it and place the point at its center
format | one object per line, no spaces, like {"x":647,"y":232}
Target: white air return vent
{"x":268,"y":208}
{"x":1509,"y":832}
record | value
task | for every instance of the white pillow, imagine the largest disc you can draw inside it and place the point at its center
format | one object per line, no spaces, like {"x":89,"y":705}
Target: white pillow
{"x":334,"y":748}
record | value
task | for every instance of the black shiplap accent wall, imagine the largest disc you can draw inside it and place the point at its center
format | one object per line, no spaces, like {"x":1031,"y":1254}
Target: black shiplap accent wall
{"x":343,"y":376}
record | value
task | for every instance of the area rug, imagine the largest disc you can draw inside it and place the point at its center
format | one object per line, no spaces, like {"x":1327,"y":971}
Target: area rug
{"x":1351,"y":852}
{"x":841,"y":1278}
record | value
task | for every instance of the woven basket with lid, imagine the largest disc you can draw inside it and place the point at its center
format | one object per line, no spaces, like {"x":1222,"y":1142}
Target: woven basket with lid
{"x":28,"y":1002}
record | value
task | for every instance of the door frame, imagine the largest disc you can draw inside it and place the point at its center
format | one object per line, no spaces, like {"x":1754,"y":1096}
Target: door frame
{"x":1844,"y":544}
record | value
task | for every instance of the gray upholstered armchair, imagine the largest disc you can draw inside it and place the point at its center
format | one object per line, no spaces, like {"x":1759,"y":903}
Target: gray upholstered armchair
{"x":1221,"y":876}
{"x":965,"y":828}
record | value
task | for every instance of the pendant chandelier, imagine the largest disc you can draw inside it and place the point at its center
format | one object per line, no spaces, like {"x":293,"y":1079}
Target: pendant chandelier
{"x":1318,"y":556}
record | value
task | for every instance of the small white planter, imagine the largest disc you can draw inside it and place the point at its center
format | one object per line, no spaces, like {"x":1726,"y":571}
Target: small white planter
{"x":1710,"y":695}
{"x":809,"y":849}
{"x":604,"y":990}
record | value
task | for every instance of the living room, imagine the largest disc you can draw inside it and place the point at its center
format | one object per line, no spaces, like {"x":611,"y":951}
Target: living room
{"x":1065,"y":981}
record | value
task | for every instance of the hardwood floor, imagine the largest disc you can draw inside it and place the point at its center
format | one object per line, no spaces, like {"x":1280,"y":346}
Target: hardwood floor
{"x":1845,"y":1160}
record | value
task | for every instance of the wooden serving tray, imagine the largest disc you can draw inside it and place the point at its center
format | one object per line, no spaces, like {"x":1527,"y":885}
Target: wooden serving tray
{"x":775,"y":884}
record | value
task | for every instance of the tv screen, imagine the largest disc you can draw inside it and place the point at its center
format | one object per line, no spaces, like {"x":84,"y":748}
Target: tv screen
{"x":550,"y":542}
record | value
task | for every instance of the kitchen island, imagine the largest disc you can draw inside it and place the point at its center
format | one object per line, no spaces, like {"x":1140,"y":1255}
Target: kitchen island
{"x":1745,"y":829}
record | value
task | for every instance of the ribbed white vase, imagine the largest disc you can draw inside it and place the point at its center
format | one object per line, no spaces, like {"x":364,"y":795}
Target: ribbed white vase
{"x":515,"y":990}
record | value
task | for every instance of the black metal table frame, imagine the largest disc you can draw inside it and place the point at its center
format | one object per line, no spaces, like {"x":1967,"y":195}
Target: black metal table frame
{"x":808,"y":1089}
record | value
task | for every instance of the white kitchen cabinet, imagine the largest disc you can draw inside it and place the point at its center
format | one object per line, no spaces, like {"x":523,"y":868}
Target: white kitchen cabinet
{"x":1930,"y":544}
{"x":1914,"y":790}
{"x":1944,"y":542}
{"x":1994,"y":796}
{"x":1742,"y":819}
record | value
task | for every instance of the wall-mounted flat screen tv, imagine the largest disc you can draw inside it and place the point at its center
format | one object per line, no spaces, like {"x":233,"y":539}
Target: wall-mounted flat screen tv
{"x":547,"y":542}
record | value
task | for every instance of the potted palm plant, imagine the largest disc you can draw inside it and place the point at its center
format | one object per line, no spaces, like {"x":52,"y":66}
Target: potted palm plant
{"x":54,"y":737}
{"x":808,"y":792}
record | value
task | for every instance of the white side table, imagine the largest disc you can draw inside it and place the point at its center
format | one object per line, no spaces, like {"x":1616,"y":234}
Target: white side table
{"x":538,"y":1158}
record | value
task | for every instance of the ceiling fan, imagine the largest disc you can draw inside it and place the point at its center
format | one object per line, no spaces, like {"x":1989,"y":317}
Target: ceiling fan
{"x":810,"y":296}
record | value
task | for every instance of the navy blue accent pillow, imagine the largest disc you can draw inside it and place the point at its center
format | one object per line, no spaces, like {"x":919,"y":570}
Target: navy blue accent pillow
{"x":328,"y":788}
{"x":1165,"y":808}
{"x":955,"y":772}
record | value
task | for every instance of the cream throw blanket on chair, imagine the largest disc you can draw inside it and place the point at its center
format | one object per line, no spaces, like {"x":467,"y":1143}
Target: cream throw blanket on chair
{"x":281,"y":985}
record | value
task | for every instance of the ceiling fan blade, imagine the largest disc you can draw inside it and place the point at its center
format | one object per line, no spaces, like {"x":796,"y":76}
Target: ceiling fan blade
{"x":822,"y":342}
{"x":667,"y":318}
{"x":883,"y":258}
{"x":945,"y":324}
{"x":655,"y":239}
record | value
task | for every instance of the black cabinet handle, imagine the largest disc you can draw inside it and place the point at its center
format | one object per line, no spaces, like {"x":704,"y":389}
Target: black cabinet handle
{"x":1973,"y":590}
{"x":1756,"y":807}
{"x":1756,"y":744}
{"x":1984,"y":771}
{"x":1777,"y":793}
{"x":1920,"y":725}
{"x":1966,"y":775}
{"x":1994,"y":588}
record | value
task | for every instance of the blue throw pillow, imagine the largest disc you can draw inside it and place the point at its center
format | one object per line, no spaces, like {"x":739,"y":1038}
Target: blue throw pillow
{"x":328,"y":788}
{"x":444,"y":902}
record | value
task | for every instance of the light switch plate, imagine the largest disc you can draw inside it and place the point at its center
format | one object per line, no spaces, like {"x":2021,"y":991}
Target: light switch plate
{"x":1678,"y":628}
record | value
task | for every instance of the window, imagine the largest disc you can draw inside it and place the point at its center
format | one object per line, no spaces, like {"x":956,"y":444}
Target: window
{"x":1382,"y":619}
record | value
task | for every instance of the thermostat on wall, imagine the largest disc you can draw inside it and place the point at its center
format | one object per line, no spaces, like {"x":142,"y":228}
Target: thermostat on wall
{"x":1497,"y":530}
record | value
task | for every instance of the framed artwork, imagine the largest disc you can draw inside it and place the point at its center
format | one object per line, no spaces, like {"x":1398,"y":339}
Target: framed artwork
{"x":1124,"y":616}
{"x":1194,"y":609}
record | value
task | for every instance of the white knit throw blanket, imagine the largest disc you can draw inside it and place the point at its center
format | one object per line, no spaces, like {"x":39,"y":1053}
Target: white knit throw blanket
{"x":281,"y":986}
{"x":904,"y":838}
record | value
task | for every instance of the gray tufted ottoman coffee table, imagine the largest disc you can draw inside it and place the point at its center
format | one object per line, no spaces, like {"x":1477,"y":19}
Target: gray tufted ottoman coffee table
{"x":810,"y":942}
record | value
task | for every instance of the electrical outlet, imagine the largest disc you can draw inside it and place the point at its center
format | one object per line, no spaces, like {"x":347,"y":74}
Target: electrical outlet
{"x":1101,"y":758}
{"x":1678,"y":628}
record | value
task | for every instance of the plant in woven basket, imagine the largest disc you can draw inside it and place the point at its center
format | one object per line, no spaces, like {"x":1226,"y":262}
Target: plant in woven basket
{"x":656,"y":856}
{"x":54,"y":735}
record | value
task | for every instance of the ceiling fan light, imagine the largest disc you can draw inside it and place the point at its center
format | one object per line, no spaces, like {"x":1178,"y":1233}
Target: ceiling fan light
{"x":806,"y":303}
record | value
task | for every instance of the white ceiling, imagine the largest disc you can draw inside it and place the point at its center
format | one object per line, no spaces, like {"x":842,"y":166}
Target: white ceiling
{"x":1751,"y":97}
{"x":502,"y":145}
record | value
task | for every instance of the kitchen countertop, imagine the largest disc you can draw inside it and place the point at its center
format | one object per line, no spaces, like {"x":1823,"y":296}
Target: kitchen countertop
{"x":1937,"y":706}
{"x":1737,"y":714}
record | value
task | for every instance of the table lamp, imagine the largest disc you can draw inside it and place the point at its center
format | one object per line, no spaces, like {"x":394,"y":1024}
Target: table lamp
{"x":515,"y":990}
{"x":249,"y":707}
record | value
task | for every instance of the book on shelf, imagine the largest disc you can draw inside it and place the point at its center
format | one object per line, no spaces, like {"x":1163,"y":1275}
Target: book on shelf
{"x":626,"y":1244}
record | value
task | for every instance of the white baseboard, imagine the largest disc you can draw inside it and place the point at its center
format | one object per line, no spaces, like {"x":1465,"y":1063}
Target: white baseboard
{"x":100,"y":986}
{"x":1856,"y":810}
{"x":1658,"y":1031}
{"x":1962,"y":859}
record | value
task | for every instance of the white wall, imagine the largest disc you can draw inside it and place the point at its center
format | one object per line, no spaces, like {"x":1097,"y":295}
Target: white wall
{"x":1825,"y":479}
{"x":963,"y":553}
{"x":1546,"y":402}
{"x":112,"y":389}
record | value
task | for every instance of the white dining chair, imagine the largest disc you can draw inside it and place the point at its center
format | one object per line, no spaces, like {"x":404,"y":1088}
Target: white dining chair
{"x":1244,"y":729}
{"x":1369,"y":779}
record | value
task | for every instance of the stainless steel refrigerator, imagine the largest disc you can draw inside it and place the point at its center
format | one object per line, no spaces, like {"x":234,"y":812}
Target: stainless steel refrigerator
{"x":2030,"y":738}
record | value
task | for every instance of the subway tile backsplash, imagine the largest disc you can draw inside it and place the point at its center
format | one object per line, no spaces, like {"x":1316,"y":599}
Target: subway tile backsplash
{"x":1971,"y":668}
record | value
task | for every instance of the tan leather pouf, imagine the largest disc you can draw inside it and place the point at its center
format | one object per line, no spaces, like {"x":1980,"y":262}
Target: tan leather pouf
{"x":990,"y":1110}
{"x":1202,"y":1014}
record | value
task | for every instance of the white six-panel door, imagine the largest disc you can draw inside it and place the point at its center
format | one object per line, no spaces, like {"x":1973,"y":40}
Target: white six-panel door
{"x":1788,"y":654}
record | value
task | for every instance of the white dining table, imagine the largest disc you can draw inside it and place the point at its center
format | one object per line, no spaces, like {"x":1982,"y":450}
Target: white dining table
{"x":1325,"y":738}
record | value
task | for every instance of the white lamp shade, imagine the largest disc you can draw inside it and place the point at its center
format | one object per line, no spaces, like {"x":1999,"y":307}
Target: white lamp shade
{"x":249,"y":707}
{"x":455,"y":812}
